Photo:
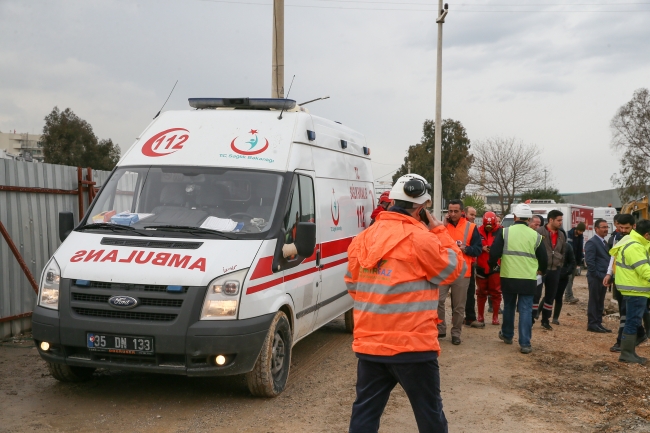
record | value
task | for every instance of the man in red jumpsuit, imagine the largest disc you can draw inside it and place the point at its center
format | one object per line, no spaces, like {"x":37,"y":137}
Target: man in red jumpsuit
{"x":488,"y":281}
{"x":383,"y":204}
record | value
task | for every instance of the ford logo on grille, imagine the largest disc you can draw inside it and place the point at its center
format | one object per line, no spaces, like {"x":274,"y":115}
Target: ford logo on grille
{"x":122,"y":302}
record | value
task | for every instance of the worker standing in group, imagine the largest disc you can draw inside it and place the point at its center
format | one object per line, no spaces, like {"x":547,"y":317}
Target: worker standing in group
{"x":470,"y":303}
{"x":488,"y":280}
{"x":575,"y":237}
{"x":394,"y":269}
{"x":523,"y":257}
{"x":554,"y":241}
{"x":469,"y":242}
{"x":383,"y":204}
{"x":624,"y":224}
{"x":632,"y":280}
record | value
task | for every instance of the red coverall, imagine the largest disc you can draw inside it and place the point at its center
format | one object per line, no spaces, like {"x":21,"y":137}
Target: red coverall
{"x":487,"y":281}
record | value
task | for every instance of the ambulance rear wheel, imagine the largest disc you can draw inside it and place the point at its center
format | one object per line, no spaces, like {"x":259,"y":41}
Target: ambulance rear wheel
{"x":271,"y":371}
{"x":68,"y":373}
{"x":349,"y":320}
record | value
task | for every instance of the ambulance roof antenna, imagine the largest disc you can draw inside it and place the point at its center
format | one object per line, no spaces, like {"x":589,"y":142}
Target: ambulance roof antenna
{"x":170,"y":94}
{"x":285,"y":101}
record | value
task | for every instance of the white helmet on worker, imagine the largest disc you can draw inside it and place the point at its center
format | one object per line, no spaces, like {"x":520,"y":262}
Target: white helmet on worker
{"x":411,"y":187}
{"x":522,"y":210}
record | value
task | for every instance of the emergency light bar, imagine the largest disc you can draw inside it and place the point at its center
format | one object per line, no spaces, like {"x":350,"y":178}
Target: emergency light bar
{"x":244,"y":103}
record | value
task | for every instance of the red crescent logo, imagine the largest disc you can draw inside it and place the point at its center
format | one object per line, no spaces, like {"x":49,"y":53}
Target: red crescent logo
{"x":243,"y":152}
{"x":174,"y":143}
{"x":338,"y":211}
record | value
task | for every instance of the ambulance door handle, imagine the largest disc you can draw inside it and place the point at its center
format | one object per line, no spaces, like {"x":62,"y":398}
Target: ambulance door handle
{"x":318,"y":259}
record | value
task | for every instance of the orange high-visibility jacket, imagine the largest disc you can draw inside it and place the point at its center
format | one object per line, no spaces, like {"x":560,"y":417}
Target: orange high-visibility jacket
{"x":394,"y":269}
{"x":463,"y":232}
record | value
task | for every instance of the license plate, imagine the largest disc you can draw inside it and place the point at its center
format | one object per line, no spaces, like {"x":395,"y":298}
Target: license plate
{"x":119,"y":344}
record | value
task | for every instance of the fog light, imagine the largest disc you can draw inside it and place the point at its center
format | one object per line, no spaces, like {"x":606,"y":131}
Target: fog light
{"x":45,"y":346}
{"x":220,"y":360}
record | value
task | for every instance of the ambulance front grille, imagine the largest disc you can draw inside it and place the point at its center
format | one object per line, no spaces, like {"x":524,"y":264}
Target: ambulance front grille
{"x":128,"y":315}
{"x":149,"y":302}
{"x":122,"y":286}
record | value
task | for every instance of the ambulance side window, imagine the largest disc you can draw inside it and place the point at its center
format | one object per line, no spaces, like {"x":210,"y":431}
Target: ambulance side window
{"x":292,"y":216}
{"x":301,"y":208}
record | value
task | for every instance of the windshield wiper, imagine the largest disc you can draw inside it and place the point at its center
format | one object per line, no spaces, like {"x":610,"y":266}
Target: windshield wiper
{"x":112,"y":227}
{"x":189,"y":229}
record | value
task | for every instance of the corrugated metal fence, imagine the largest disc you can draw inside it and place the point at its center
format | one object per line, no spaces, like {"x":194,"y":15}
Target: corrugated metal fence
{"x":31,"y":220}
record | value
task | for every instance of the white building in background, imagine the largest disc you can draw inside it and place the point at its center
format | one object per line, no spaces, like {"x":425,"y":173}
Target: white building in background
{"x":23,"y":146}
{"x":380,"y":187}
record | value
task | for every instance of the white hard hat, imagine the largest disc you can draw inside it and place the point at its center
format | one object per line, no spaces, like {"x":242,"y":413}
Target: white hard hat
{"x":411,"y":187}
{"x":522,"y":210}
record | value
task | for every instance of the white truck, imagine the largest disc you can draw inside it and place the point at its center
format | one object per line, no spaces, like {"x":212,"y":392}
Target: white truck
{"x":572,"y":215}
{"x":218,"y":242}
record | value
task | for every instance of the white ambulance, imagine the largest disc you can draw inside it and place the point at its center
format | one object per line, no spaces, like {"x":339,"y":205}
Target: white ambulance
{"x":218,"y":242}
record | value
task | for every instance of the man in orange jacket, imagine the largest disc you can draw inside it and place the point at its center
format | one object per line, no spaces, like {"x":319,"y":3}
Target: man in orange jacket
{"x":394,"y":270}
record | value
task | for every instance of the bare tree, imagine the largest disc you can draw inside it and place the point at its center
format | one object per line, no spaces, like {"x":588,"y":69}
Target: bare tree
{"x":505,"y":167}
{"x":631,"y":135}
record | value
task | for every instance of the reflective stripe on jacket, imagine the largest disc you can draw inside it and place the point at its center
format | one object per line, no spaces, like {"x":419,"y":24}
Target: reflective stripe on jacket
{"x":394,"y":270}
{"x":463,"y":232}
{"x":518,"y":259}
{"x":632,"y":276}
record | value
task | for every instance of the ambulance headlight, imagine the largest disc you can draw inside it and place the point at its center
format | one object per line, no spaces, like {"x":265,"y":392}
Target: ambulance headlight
{"x":223,"y":295}
{"x":48,"y":291}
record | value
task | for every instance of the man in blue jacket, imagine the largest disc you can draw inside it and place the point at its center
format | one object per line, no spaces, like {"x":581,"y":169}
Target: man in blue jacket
{"x":576,"y":239}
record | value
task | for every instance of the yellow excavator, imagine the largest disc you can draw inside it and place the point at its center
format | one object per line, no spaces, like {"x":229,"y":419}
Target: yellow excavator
{"x":638,"y":208}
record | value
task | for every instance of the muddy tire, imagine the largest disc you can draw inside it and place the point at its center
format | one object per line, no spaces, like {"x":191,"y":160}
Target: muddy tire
{"x":271,"y":371}
{"x":68,"y":373}
{"x":349,"y":320}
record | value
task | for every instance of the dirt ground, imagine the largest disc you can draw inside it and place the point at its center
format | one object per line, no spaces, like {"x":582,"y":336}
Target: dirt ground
{"x":570,"y":383}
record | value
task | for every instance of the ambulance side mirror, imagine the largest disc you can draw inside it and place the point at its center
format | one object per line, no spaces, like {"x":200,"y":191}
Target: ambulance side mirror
{"x":66,"y":224}
{"x":305,"y":239}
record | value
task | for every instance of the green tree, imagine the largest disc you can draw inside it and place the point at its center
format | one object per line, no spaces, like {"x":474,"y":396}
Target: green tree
{"x":456,"y":159}
{"x":475,"y":201}
{"x":543,"y":194}
{"x":69,"y":140}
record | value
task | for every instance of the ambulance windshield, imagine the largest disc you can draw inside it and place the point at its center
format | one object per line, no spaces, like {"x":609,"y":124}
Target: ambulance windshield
{"x":194,"y":199}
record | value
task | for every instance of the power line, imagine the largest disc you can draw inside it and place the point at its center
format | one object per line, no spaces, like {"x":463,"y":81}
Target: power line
{"x":429,"y":10}
{"x":390,"y":172}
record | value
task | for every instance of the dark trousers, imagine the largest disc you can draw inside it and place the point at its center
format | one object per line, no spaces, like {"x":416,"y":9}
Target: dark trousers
{"x":470,"y":311}
{"x":596,"y":303}
{"x":550,"y":282}
{"x":421,"y":382}
{"x":557,"y":309}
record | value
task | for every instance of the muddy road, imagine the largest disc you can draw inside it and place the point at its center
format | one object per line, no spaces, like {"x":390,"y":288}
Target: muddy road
{"x":570,"y":383}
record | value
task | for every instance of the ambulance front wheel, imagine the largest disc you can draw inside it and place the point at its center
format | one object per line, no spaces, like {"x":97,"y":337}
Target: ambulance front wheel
{"x":271,"y":371}
{"x":349,"y":320}
{"x":68,"y":373}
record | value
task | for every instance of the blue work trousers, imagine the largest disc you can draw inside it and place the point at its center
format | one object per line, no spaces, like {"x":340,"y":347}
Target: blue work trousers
{"x":421,"y":382}
{"x":524,"y":303}
{"x":636,"y":307}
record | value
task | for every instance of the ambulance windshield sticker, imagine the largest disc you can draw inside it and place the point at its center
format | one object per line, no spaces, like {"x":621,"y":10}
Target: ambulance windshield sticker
{"x":249,"y":147}
{"x":166,"y":142}
{"x":336,"y":212}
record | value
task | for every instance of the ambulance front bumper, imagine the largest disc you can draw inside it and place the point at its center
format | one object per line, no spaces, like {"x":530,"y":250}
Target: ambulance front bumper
{"x":184,"y":345}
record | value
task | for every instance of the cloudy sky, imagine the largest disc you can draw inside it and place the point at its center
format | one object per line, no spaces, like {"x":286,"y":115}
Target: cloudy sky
{"x":545,"y":71}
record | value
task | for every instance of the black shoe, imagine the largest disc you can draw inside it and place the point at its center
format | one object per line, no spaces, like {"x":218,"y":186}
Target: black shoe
{"x":504,"y":339}
{"x":642,"y":339}
{"x":441,"y":336}
{"x":490,"y":310}
{"x":609,"y":331}
{"x":597,"y":330}
{"x":547,"y":326}
{"x":455,"y":341}
{"x":555,"y":322}
{"x":615,"y":348}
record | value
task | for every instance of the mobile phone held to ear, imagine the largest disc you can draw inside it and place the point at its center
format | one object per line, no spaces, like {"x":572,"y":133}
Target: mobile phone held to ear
{"x":423,"y":216}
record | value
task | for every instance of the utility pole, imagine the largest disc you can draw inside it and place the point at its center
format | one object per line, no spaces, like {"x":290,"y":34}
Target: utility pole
{"x":277,"y":71}
{"x":408,"y":167}
{"x":437,"y":167}
{"x":545,"y":171}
